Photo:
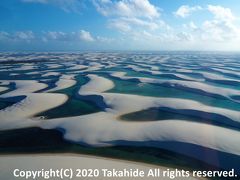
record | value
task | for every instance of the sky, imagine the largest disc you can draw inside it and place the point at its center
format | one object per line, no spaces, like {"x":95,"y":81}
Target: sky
{"x":155,"y":25}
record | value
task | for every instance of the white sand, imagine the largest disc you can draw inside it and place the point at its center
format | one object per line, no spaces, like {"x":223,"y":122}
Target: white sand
{"x":65,"y":81}
{"x":3,"y":82}
{"x":2,"y":89}
{"x":125,"y":103}
{"x":23,"y":87}
{"x":18,"y":115}
{"x":214,"y":76}
{"x":32,"y":73}
{"x":24,"y":67}
{"x":221,"y":91}
{"x":96,"y":85}
{"x":51,"y":74}
{"x":54,"y":66}
{"x":42,"y":161}
{"x":104,"y":128}
{"x":226,"y":71}
{"x":153,"y":71}
{"x":78,"y":67}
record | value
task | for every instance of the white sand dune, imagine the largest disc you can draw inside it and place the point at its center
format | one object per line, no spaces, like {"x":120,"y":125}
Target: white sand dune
{"x":156,"y":72}
{"x":65,"y":81}
{"x":125,"y":103}
{"x":184,"y":70}
{"x":93,"y":66}
{"x":77,"y":128}
{"x":54,"y":66}
{"x":18,"y":115}
{"x":214,"y":76}
{"x":5,"y":83}
{"x":32,"y":73}
{"x":2,"y":89}
{"x":227,"y":71}
{"x":216,"y":90}
{"x":51,"y":74}
{"x":139,"y":69}
{"x":14,"y":74}
{"x":74,"y":161}
{"x":90,"y":88}
{"x":77,"y":67}
{"x":23,"y":87}
{"x":104,"y":128}
{"x":221,"y":91}
{"x":152,"y":67}
{"x":24,"y":67}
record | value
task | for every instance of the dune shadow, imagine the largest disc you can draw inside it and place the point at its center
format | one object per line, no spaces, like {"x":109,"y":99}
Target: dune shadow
{"x":165,"y":113}
{"x":208,"y":158}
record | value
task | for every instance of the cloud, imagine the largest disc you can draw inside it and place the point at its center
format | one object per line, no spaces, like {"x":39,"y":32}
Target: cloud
{"x":4,"y":35}
{"x":183,"y":36}
{"x":120,"y":25}
{"x":131,"y":16}
{"x":219,"y":31}
{"x":58,"y":36}
{"x":141,"y":25}
{"x":220,"y":13}
{"x":185,"y":10}
{"x":66,"y":5}
{"x":190,"y":26}
{"x":26,"y":36}
{"x":127,"y":8}
{"x":139,"y":21}
{"x":222,"y":27}
{"x":85,"y":36}
{"x":81,"y":35}
{"x":193,"y":26}
{"x":124,"y":24}
{"x":104,"y":39}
